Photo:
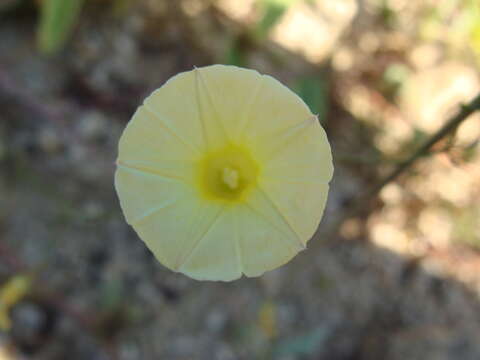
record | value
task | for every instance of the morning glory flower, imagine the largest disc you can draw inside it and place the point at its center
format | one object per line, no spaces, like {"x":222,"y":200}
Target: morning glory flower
{"x":222,"y":172}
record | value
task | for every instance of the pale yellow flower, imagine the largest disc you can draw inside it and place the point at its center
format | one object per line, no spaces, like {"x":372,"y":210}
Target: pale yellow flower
{"x":223,"y":171}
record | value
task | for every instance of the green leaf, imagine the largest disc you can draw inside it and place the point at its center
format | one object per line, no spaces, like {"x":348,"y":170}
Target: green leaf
{"x":314,"y":91}
{"x":57,"y":18}
{"x":273,"y":11}
{"x":235,"y":54}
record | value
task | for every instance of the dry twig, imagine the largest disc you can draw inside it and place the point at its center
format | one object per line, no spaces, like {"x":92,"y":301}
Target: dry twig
{"x":362,"y":204}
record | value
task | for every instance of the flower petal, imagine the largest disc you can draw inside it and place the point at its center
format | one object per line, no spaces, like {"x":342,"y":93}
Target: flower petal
{"x":170,"y":234}
{"x":216,"y":255}
{"x":169,"y":217}
{"x":147,"y":145}
{"x":229,"y":92}
{"x":300,"y":204}
{"x":263,"y":246}
{"x":275,"y":108}
{"x":262,"y":204}
{"x":143,"y":191}
{"x":299,"y":153}
{"x":175,"y":105}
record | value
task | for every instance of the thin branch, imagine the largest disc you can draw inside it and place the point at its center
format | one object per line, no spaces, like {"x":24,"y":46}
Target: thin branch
{"x":451,"y":125}
{"x":362,"y":204}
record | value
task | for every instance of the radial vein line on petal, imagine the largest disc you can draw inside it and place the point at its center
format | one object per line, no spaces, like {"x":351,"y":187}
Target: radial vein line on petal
{"x":238,"y":250}
{"x":201,"y":114}
{"x":286,"y":136}
{"x":293,"y":180}
{"x":183,"y":259}
{"x":152,"y":211}
{"x":272,"y":223}
{"x":201,"y":83}
{"x":170,"y":130}
{"x":249,"y":106}
{"x":147,"y":171}
{"x":282,"y":215}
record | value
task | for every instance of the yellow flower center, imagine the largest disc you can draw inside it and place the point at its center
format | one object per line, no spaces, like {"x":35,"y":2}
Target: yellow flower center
{"x":227,"y":174}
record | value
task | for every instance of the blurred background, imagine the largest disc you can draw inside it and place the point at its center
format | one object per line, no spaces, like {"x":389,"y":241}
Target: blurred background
{"x":398,"y":280}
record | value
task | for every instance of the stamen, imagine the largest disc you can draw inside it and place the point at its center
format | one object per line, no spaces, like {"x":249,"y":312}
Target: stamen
{"x":230,"y":177}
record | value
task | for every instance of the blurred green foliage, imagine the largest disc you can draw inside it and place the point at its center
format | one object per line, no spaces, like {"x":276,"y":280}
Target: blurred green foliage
{"x":455,"y":23}
{"x":272,"y":11}
{"x":314,"y":91}
{"x":235,"y":55}
{"x":387,"y":14}
{"x":57,"y":19}
{"x":302,"y":345}
{"x":121,"y":7}
{"x":473,"y":10}
{"x":394,"y":76}
{"x":465,"y":225}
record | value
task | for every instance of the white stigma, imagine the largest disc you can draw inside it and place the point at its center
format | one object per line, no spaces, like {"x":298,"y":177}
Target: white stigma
{"x":230,"y":177}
